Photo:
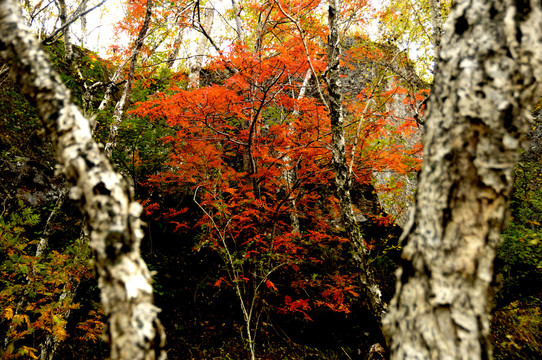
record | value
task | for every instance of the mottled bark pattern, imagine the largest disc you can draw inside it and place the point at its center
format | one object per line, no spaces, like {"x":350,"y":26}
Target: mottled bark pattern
{"x":177,"y":43}
{"x":205,"y":21}
{"x":491,"y":60}
{"x":133,"y":330}
{"x":343,"y":181}
{"x":238,"y":22}
{"x":125,"y":100}
{"x":436,"y":23}
{"x":68,"y":51}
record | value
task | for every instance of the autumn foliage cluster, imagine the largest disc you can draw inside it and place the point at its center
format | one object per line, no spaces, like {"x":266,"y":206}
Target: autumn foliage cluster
{"x":249,"y":175}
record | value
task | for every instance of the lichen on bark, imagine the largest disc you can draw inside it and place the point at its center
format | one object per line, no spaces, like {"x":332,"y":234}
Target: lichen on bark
{"x":485,"y":86}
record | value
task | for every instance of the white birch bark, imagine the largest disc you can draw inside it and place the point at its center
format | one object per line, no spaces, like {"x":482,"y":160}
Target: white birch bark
{"x":124,"y":102}
{"x":108,"y":94}
{"x":343,"y":180}
{"x":436,"y":23}
{"x":133,"y":328}
{"x":238,"y":21}
{"x":487,"y":81}
{"x":66,"y":21}
{"x":63,"y":16}
{"x":49,"y":346}
{"x":44,"y":239}
{"x":177,"y":43}
{"x":40,"y":249}
{"x":289,"y":173}
{"x":80,"y":12}
{"x":84,"y":31}
{"x":196,"y":62}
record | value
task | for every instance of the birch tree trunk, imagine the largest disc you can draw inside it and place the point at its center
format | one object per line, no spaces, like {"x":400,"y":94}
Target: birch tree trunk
{"x":40,"y":249}
{"x":124,"y":102}
{"x":289,"y":173}
{"x":343,"y":180}
{"x":436,"y":23}
{"x":238,"y":22}
{"x":80,"y":12}
{"x":196,"y":63}
{"x":177,"y":43}
{"x":63,"y":16}
{"x":66,"y":21}
{"x":110,"y":89}
{"x":133,"y":328}
{"x":486,"y":84}
{"x":84,"y":31}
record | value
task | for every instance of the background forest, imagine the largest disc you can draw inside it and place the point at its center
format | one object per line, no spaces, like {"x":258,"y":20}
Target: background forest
{"x":219,"y":117}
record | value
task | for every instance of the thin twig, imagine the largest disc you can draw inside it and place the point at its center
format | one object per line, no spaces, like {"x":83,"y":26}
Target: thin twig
{"x":47,"y":40}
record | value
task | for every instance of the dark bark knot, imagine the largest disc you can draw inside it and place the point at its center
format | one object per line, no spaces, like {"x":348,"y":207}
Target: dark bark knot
{"x":116,"y":244}
{"x":101,"y":189}
{"x":493,"y":12}
{"x":523,"y":8}
{"x":461,"y":25}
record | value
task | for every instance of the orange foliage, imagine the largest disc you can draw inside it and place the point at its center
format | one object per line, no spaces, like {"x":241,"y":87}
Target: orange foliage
{"x":254,"y":154}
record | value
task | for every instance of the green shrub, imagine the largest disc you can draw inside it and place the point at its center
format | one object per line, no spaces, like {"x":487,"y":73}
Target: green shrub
{"x":517,"y":332}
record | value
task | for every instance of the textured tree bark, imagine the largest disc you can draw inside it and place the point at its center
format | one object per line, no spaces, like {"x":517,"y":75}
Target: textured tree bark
{"x":125,"y":100}
{"x":205,"y":21}
{"x":84,"y":31}
{"x":177,"y":43}
{"x":238,"y":22}
{"x":289,"y":173}
{"x":491,"y":61}
{"x":343,"y":180}
{"x":62,"y":11}
{"x":436,"y":23}
{"x":110,"y":89}
{"x":133,"y":328}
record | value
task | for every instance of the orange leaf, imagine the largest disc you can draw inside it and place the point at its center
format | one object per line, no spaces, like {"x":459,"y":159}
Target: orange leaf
{"x":269,"y":284}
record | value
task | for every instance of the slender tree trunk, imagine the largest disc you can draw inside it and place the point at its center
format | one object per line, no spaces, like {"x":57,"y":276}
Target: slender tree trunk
{"x":66,"y":21}
{"x":125,"y":100}
{"x":84,"y":31}
{"x":133,"y":328}
{"x":50,"y":345}
{"x":238,"y":22}
{"x":177,"y":43}
{"x":63,"y":15}
{"x":343,"y":180}
{"x":44,"y":239}
{"x":40,"y":249}
{"x":289,"y":174}
{"x":436,"y":23}
{"x":197,"y":61}
{"x":486,"y":84}
{"x":108,"y":94}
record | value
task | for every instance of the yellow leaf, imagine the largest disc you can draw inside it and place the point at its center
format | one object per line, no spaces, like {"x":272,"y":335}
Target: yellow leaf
{"x":30,"y":352}
{"x":59,"y":332}
{"x":8,"y":313}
